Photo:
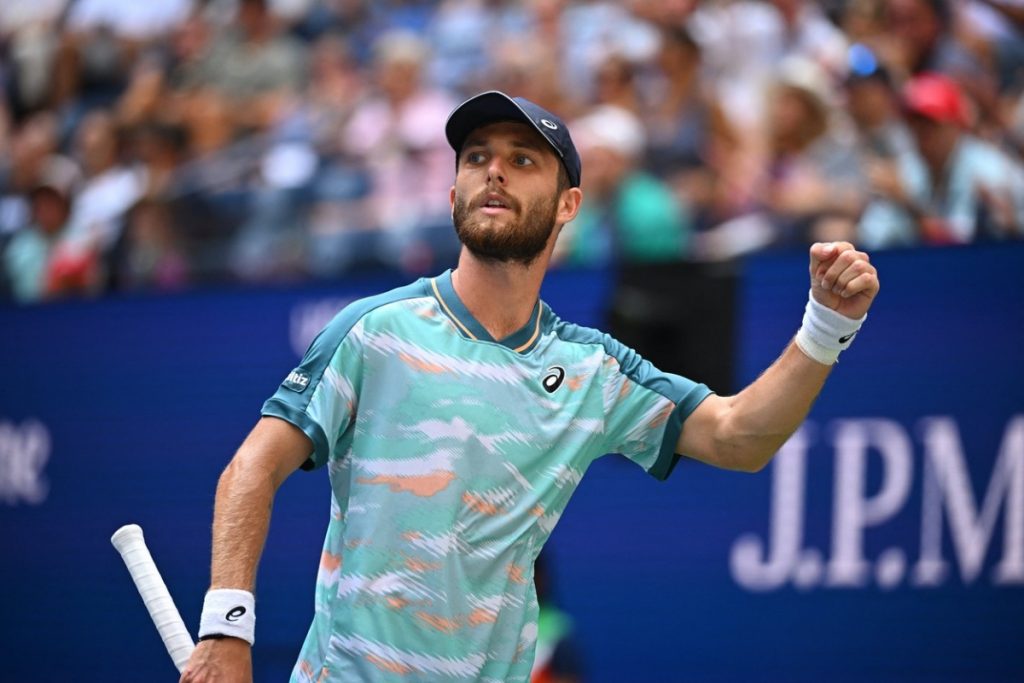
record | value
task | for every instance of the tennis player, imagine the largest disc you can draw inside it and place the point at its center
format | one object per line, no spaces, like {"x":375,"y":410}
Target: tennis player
{"x":455,"y":417}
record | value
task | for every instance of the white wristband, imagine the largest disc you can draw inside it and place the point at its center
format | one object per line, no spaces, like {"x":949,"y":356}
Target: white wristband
{"x":825,"y":333}
{"x":229,"y":612}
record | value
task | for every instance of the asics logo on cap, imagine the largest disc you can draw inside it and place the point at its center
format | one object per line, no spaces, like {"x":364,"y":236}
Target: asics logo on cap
{"x":549,"y":124}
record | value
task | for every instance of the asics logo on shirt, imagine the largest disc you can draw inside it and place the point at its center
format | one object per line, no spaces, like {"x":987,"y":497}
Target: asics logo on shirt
{"x":553,"y":379}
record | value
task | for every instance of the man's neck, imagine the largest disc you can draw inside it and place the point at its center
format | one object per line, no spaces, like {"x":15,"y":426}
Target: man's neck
{"x":501,"y":296}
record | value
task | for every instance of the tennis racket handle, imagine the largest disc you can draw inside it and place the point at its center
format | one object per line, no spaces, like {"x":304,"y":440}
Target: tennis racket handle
{"x":128,"y":541}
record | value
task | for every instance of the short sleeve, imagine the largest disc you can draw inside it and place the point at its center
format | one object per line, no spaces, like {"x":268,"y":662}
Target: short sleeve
{"x":321,"y":394}
{"x":645,"y":409}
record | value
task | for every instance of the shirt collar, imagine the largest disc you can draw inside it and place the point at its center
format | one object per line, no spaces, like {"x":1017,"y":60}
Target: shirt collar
{"x":520,"y":341}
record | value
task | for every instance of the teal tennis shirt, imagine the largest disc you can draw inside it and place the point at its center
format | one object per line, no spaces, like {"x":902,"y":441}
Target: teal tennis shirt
{"x":451,"y":458}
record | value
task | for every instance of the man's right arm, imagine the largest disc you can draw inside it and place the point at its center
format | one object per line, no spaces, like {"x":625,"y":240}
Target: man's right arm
{"x":241,"y":516}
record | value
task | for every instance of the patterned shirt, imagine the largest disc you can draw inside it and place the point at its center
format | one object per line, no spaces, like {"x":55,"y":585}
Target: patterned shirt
{"x":451,"y":457}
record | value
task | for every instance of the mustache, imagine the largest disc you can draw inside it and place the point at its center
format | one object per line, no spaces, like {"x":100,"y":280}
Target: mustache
{"x":481,"y":199}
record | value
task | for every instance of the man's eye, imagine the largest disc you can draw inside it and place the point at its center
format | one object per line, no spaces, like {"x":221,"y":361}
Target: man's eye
{"x":523,"y":160}
{"x":474,"y":157}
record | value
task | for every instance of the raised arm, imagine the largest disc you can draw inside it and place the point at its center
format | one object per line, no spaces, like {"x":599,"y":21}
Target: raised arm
{"x":744,"y":431}
{"x":241,"y":516}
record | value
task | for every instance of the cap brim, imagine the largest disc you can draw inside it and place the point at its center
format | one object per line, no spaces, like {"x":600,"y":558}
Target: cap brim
{"x":485,"y":108}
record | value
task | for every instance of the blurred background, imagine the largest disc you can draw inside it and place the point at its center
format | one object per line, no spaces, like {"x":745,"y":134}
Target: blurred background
{"x":189,"y":190}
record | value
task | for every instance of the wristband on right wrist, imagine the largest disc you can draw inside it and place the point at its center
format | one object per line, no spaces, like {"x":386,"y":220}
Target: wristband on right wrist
{"x":228,"y":612}
{"x":824,"y":333}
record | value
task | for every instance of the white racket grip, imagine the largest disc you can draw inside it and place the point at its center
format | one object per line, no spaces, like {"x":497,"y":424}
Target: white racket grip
{"x":130,"y":543}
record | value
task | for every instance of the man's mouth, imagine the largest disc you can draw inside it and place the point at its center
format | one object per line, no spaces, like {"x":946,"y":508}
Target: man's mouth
{"x":494,"y":204}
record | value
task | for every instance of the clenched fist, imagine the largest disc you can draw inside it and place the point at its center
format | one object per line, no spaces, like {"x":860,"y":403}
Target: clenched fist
{"x":843,"y":278}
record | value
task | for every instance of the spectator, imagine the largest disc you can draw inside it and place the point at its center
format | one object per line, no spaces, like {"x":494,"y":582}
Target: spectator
{"x":630,"y":215}
{"x":874,"y":107}
{"x":615,"y":83}
{"x":27,"y":256}
{"x":921,"y":38}
{"x":254,"y":65}
{"x":102,"y":39}
{"x":33,"y":146}
{"x":398,"y":134}
{"x":28,"y":30}
{"x":768,"y":33}
{"x":955,"y":187}
{"x":807,"y":32}
{"x":460,"y":31}
{"x":690,"y":143}
{"x":108,"y":190}
{"x":812,"y":187}
{"x":256,"y":120}
{"x":151,"y":256}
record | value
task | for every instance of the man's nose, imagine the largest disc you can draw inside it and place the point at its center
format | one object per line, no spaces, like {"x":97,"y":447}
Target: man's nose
{"x":496,"y":171}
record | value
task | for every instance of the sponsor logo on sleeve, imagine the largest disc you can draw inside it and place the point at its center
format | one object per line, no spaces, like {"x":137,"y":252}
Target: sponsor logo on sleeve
{"x":297,"y":380}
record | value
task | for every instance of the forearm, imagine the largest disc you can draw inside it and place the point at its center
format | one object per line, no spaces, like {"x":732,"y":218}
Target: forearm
{"x":241,"y":518}
{"x":758,"y":420}
{"x":245,"y":494}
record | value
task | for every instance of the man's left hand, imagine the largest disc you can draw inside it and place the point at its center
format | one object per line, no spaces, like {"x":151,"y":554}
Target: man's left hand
{"x":843,"y":278}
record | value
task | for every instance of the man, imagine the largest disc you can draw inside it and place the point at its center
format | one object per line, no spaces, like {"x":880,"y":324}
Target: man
{"x":952,"y":187}
{"x":456,"y":416}
{"x":630,"y":215}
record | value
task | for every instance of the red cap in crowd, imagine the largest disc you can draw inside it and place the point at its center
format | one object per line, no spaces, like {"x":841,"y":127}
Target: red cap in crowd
{"x":937,"y":97}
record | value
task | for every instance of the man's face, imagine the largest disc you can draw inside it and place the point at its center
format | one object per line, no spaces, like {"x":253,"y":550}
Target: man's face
{"x":914,"y":24}
{"x":935,"y":140}
{"x":506,"y":202}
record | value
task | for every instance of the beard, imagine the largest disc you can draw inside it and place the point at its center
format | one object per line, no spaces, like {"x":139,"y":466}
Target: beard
{"x":519,"y":241}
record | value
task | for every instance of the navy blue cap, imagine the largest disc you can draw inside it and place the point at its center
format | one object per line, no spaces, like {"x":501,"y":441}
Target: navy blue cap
{"x":494,"y":106}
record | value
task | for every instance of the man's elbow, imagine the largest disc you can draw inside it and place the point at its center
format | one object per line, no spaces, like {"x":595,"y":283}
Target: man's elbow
{"x":755,"y":462}
{"x":745,"y":453}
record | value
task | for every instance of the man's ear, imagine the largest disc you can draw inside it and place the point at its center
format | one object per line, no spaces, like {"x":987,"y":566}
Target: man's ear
{"x":569,"y":205}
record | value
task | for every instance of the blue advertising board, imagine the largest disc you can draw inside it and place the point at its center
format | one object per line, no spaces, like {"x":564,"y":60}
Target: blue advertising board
{"x":884,"y":543}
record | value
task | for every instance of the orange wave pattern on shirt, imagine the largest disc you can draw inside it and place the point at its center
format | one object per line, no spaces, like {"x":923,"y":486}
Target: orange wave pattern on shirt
{"x":478,"y":504}
{"x":306,"y":668}
{"x":395,"y":602}
{"x":439,"y":623}
{"x":625,"y":389}
{"x":420,"y":566}
{"x":662,"y":416}
{"x":388,"y":665}
{"x":537,"y":511}
{"x":421,"y":365}
{"x":482,"y":616}
{"x":576,"y":383}
{"x":424,"y":486}
{"x":515,"y":574}
{"x":330,"y":562}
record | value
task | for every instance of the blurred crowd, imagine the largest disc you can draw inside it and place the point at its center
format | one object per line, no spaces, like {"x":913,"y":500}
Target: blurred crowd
{"x":172,"y":143}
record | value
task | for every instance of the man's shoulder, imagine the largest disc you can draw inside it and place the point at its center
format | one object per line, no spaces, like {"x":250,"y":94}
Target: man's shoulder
{"x":380,"y":307}
{"x":571,"y":333}
{"x":980,"y":159}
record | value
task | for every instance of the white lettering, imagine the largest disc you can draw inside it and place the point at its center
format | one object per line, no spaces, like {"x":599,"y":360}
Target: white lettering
{"x":751,"y":564}
{"x":853,"y":511}
{"x":24,"y":452}
{"x":947,"y":485}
